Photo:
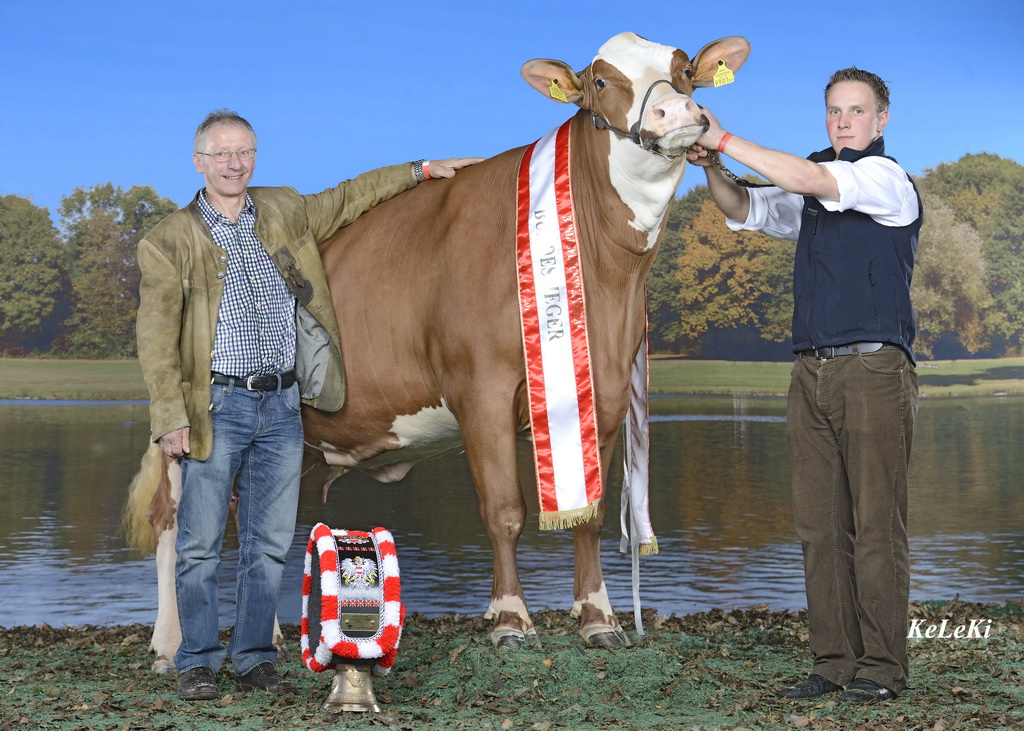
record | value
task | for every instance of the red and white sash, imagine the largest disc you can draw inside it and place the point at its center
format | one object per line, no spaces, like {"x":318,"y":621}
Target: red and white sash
{"x":551,"y":306}
{"x":563,"y":417}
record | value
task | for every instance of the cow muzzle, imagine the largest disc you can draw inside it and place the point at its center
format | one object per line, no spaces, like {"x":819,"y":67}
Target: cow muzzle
{"x":673,"y":123}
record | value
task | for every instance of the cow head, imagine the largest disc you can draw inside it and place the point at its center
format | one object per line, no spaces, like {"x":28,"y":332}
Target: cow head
{"x":641,"y":90}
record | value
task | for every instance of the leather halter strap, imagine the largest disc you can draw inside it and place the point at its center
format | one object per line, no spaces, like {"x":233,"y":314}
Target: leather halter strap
{"x":633,"y":135}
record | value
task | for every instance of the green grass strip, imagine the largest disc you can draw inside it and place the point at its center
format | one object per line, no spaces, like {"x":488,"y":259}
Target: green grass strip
{"x":35,"y":378}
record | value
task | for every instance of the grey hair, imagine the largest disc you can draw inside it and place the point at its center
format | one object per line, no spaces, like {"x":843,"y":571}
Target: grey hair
{"x":216,"y":117}
{"x":878,"y":87}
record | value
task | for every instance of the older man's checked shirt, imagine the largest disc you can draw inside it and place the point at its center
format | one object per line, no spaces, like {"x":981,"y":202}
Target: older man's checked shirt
{"x":256,"y":325}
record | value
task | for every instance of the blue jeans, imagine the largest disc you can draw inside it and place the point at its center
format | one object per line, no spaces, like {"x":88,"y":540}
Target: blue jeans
{"x":851,"y":423}
{"x":257,"y":440}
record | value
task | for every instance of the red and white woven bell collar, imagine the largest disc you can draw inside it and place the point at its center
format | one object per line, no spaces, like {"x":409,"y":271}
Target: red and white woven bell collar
{"x":383,"y":646}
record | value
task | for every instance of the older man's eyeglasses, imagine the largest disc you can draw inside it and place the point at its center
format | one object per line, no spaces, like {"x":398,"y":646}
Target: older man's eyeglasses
{"x":223,"y":156}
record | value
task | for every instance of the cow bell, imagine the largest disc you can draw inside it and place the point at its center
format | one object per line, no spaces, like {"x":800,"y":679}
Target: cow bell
{"x":352,"y":689}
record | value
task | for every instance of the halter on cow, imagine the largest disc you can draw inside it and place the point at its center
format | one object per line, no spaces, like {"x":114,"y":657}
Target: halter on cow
{"x":425,"y":290}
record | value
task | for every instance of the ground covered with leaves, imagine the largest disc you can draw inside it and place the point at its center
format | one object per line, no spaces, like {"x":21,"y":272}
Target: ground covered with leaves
{"x":704,"y":671}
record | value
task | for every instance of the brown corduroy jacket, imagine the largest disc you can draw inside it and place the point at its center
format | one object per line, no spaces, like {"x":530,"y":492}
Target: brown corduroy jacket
{"x":183,"y":279}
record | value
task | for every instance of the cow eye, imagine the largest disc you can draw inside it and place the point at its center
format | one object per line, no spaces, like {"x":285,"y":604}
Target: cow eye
{"x":600,"y":83}
{"x":688,"y":72}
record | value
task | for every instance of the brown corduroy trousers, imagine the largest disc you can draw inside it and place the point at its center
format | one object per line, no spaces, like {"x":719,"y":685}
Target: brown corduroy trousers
{"x":850,"y":426}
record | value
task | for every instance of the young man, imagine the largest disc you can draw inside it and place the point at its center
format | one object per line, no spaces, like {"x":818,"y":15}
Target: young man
{"x":855,"y":215}
{"x":235,"y":329}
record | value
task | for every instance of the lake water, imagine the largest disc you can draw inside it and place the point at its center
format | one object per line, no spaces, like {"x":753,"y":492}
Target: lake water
{"x":720,"y":504}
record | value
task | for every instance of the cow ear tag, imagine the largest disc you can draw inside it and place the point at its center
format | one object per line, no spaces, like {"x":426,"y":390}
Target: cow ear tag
{"x":724,"y":75}
{"x":557,"y":93}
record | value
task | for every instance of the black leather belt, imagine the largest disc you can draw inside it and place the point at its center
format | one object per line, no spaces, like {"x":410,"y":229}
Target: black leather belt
{"x":256,"y":383}
{"x":837,"y":350}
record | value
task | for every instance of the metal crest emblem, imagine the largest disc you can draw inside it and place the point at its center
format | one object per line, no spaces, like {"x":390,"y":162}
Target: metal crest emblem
{"x":359,"y":572}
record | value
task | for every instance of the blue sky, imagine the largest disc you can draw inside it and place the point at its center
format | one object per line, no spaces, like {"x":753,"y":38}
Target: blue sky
{"x":113,"y":91}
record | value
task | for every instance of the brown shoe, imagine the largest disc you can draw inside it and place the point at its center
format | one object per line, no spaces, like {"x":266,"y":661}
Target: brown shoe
{"x":264,"y":677}
{"x":197,"y":684}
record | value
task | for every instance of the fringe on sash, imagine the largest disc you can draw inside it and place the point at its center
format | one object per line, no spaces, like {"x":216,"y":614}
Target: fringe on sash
{"x":556,"y":520}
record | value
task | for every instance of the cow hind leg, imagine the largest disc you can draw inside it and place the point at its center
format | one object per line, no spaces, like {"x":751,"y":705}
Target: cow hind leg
{"x":598,"y":625}
{"x":167,"y":629}
{"x":504,"y":518}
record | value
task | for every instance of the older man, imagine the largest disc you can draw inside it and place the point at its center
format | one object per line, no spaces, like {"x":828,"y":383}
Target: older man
{"x":855,"y":215}
{"x":235,"y":330}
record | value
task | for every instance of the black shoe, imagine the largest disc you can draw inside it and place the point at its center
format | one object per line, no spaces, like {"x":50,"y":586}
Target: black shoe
{"x":264,"y":677}
{"x":197,"y":684}
{"x":813,"y":686}
{"x":863,"y":690}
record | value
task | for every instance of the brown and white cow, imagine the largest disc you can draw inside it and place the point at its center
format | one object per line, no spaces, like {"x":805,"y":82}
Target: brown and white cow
{"x":425,"y":290}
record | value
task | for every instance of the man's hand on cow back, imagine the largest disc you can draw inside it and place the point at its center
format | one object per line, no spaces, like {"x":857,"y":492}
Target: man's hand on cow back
{"x":176,"y":443}
{"x":448,"y":168}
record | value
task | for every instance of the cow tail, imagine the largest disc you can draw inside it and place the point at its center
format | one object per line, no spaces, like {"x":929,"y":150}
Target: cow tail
{"x":136,"y":529}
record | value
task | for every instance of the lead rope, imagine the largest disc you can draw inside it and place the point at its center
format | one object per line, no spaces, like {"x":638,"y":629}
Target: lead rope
{"x":632,"y":532}
{"x":733,"y":176}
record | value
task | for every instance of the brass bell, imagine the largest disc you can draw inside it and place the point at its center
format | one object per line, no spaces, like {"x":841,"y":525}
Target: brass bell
{"x":352,"y":689}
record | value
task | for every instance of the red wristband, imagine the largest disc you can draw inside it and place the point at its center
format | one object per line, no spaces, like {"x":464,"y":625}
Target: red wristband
{"x":723,"y":141}
{"x":426,"y":169}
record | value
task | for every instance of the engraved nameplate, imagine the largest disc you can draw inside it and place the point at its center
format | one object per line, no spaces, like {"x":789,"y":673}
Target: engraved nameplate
{"x":359,"y":622}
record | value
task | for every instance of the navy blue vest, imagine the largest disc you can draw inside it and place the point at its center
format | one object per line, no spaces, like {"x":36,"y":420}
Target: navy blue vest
{"x":851,"y":279}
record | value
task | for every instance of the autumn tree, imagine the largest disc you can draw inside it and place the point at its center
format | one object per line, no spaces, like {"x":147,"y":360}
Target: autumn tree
{"x":987,"y":192}
{"x":950,"y":288}
{"x":663,"y":304}
{"x":32,"y":277}
{"x":730,"y":279}
{"x":103,"y":226}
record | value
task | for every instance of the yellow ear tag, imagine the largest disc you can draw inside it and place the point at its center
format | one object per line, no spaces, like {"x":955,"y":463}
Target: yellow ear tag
{"x":557,"y":93}
{"x":724,"y":75}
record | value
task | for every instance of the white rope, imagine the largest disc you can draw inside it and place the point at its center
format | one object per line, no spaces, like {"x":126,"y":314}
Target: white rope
{"x":630,"y":532}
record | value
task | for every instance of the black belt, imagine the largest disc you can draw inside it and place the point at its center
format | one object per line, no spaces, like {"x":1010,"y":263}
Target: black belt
{"x":256,"y":383}
{"x":837,"y":350}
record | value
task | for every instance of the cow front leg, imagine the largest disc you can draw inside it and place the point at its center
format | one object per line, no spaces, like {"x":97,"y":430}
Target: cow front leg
{"x":504,"y":515}
{"x":491,"y":453}
{"x":598,"y":624}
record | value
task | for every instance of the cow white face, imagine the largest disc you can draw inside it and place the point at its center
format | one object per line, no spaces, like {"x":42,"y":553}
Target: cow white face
{"x":639,"y":92}
{"x":645,"y":88}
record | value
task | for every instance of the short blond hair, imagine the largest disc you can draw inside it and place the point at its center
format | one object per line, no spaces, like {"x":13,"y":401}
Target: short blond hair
{"x":878,"y":87}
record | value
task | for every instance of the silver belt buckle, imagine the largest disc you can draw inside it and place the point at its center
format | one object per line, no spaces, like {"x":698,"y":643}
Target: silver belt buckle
{"x":869,"y":348}
{"x":248,"y":382}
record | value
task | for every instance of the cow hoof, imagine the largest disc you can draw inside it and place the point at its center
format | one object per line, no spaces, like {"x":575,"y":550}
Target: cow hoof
{"x":605,"y":636}
{"x":515,"y":639}
{"x":164,"y":666}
